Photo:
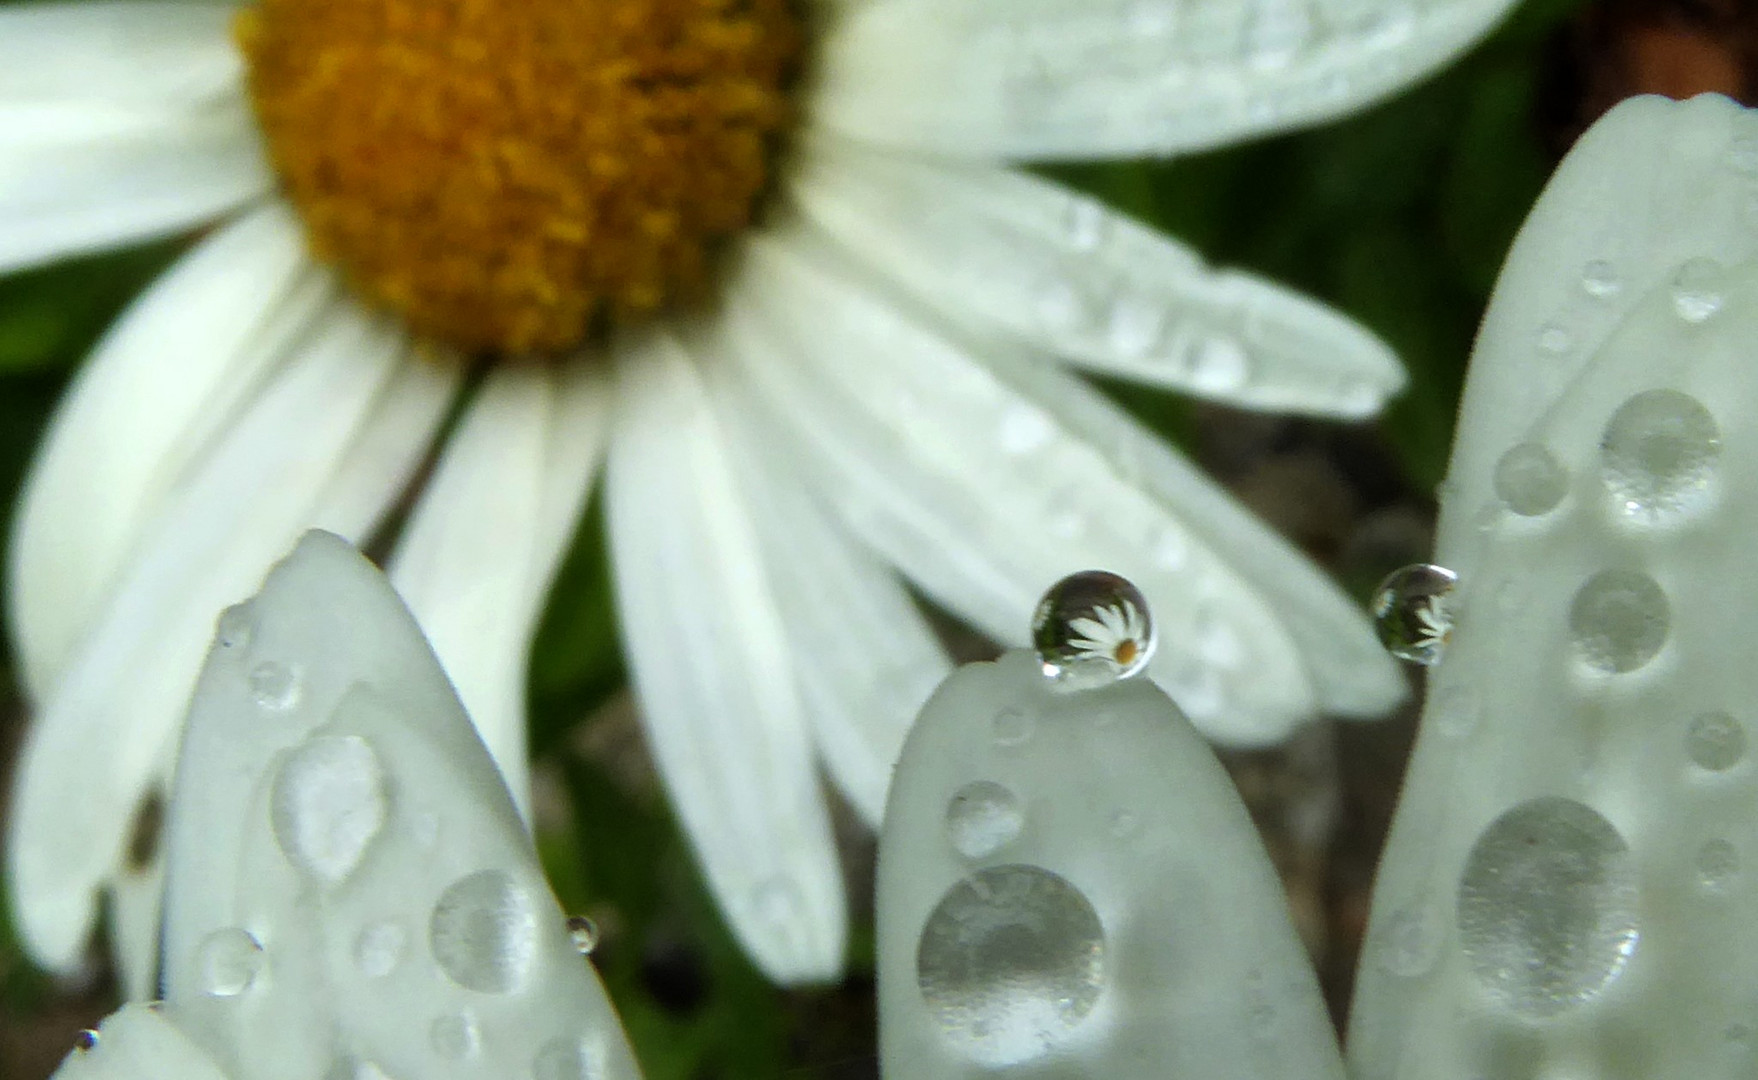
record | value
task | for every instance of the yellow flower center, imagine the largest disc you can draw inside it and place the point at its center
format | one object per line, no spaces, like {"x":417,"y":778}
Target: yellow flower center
{"x":506,"y":173}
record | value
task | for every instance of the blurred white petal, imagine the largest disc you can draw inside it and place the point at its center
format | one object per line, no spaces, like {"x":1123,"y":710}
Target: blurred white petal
{"x":137,"y":1042}
{"x":120,"y":53}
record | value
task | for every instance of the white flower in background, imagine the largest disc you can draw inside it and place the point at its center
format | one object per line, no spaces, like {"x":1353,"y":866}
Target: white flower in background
{"x":869,"y":385}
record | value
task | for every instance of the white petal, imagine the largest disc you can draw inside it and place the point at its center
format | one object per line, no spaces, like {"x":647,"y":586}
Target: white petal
{"x":139,"y":51}
{"x":986,"y":481}
{"x":478,"y":554}
{"x":125,"y":687}
{"x":136,"y":903}
{"x":1097,"y":78}
{"x":709,"y":653}
{"x":137,"y":1042}
{"x":864,"y":657}
{"x":348,"y":883}
{"x":172,"y":372}
{"x":1062,"y":273}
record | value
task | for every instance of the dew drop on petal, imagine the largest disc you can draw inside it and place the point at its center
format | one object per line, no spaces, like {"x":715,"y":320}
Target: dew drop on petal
{"x":982,"y":817}
{"x":1717,"y":864}
{"x":454,"y":1036}
{"x":1599,"y":279}
{"x":274,"y":685}
{"x":329,"y":803}
{"x":1012,"y":727}
{"x":228,"y":961}
{"x":86,"y":1040}
{"x":1547,"y":906}
{"x":583,"y":933}
{"x":1554,"y":339}
{"x":566,"y":1059}
{"x":1619,"y":620}
{"x":483,"y":932}
{"x":1697,"y":290}
{"x":1091,"y":629}
{"x":1087,"y":223}
{"x":1218,"y":365}
{"x":1530,"y":480}
{"x":236,"y":626}
{"x":1010,"y":961}
{"x":378,"y":948}
{"x":1715,"y":741}
{"x":1412,"y":612}
{"x":1659,"y":453}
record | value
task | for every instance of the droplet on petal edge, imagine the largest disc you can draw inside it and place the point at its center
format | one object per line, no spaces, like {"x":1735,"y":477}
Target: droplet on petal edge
{"x":583,"y":932}
{"x":1091,"y":629}
{"x":1412,"y":612}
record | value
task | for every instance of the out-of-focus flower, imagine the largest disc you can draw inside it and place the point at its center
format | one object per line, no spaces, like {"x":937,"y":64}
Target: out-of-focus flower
{"x":854,"y":373}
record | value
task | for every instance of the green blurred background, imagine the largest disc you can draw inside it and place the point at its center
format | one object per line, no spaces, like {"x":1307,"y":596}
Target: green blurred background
{"x":1399,"y":216}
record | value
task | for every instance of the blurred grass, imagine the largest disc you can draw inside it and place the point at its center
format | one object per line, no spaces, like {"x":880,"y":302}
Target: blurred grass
{"x":1399,"y":216}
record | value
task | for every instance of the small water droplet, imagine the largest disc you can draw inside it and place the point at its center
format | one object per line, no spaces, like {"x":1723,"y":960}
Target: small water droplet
{"x":228,"y":961}
{"x":1412,"y":612}
{"x":1619,"y":620}
{"x":583,"y":932}
{"x":1024,"y":428}
{"x":1697,"y":289}
{"x":1715,"y":741}
{"x":1086,"y":223}
{"x":1547,"y":906}
{"x":1717,"y":863}
{"x":1012,"y":727}
{"x":274,"y":685}
{"x":1410,"y":943}
{"x":378,"y":949}
{"x":1218,"y":365}
{"x":1092,"y":628}
{"x":483,"y":932}
{"x":454,"y":1036}
{"x":1599,"y":279}
{"x":982,"y":817}
{"x":567,"y":1059}
{"x":1060,"y":307}
{"x":1010,"y":961}
{"x":86,"y":1040}
{"x":1136,"y":326}
{"x":235,"y":627}
{"x":329,"y":803}
{"x":1122,"y":823}
{"x":1659,"y":454}
{"x":1742,"y":155}
{"x":1530,"y":480}
{"x":1554,"y":339}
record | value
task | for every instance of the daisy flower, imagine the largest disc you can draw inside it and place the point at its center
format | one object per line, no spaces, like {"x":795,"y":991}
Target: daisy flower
{"x":767,"y":265}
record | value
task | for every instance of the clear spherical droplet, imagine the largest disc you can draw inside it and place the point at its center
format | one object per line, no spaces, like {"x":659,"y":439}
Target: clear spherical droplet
{"x":86,"y":1040}
{"x":236,"y":626}
{"x":1547,"y":906}
{"x":1697,"y":289}
{"x":1412,"y":612}
{"x":567,"y":1059}
{"x":1718,"y":861}
{"x":228,"y":961}
{"x":454,"y":1036}
{"x":982,"y":817}
{"x":1010,"y":961}
{"x":274,"y":685}
{"x":1659,"y":454}
{"x":379,"y":947}
{"x":1092,"y":628}
{"x":1530,"y":480}
{"x":1012,"y":727}
{"x":1715,"y":741}
{"x":1619,"y":620}
{"x":583,"y":933}
{"x":1599,"y":279}
{"x":483,"y":932}
{"x":329,"y":802}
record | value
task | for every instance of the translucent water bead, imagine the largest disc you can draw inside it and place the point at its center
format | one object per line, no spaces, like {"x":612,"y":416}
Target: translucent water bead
{"x":1093,"y":628}
{"x":1412,"y":612}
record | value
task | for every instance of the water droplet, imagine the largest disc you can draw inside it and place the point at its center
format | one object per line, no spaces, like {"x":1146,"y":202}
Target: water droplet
{"x":1218,"y":365}
{"x":1091,"y":628}
{"x":274,"y":686}
{"x":86,"y":1040}
{"x":1170,"y":548}
{"x":1010,"y":961}
{"x":1599,"y":279}
{"x":1024,"y":428}
{"x":1659,"y":453}
{"x":583,"y":932}
{"x":1412,"y":612}
{"x":1061,"y":308}
{"x":1619,"y":620}
{"x":982,"y":817}
{"x":1086,"y":223}
{"x":1717,"y":863}
{"x":1012,"y":727}
{"x":236,"y":626}
{"x":1122,"y":823}
{"x":1136,"y":326}
{"x":378,"y":949}
{"x":1742,"y":156}
{"x":1697,"y":290}
{"x":1410,"y":942}
{"x":454,"y":1036}
{"x":329,"y":802}
{"x":1547,"y":906}
{"x":1554,"y":339}
{"x":566,"y":1059}
{"x":228,"y":962}
{"x":484,"y":932}
{"x":1530,"y":480}
{"x":1715,"y":741}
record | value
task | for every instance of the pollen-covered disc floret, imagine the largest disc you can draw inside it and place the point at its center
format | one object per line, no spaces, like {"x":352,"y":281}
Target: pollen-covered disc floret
{"x":503,"y":174}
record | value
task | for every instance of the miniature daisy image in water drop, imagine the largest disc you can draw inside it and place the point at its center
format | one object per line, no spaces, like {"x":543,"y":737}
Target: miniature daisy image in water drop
{"x":767,"y":267}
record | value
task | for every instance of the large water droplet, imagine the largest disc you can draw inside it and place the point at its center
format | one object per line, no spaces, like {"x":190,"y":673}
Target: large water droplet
{"x":566,"y":1059}
{"x":1659,"y":453}
{"x":583,"y":933}
{"x":484,"y":932}
{"x":1619,"y":620}
{"x":228,"y":961}
{"x":1599,"y":279}
{"x":454,"y":1036}
{"x":1412,"y":612}
{"x":1547,"y":906}
{"x":1697,"y":290}
{"x":1092,"y":628}
{"x":1530,"y":480}
{"x":329,"y":802}
{"x":274,"y":685}
{"x":378,"y":949}
{"x":983,"y":817}
{"x":1715,"y":741}
{"x":1010,"y":961}
{"x":236,"y":626}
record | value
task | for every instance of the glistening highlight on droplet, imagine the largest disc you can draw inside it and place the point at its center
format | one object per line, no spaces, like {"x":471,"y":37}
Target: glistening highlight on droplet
{"x":1412,"y":612}
{"x":1093,"y":628}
